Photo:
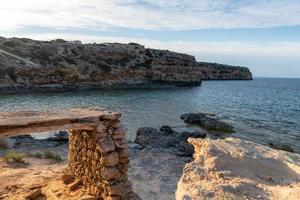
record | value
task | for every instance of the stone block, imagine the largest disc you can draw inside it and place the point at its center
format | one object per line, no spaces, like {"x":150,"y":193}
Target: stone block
{"x":110,"y":159}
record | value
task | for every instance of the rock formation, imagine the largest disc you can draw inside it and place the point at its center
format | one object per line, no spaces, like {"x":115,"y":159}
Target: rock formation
{"x":168,"y":139}
{"x":215,"y":71}
{"x":58,"y":65}
{"x":236,"y":169}
{"x":98,"y":151}
{"x":208,"y":122}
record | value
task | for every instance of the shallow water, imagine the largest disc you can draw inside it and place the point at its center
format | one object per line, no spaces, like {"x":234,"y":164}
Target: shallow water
{"x":263,"y":110}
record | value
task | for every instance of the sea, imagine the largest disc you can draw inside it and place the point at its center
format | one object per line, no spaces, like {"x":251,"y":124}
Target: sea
{"x":264,"y":110}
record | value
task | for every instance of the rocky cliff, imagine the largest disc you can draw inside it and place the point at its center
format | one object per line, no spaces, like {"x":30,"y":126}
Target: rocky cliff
{"x":215,"y":71}
{"x":31,"y":65}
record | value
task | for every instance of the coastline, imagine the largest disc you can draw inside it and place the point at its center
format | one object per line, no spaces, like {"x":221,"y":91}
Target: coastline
{"x":167,"y":173}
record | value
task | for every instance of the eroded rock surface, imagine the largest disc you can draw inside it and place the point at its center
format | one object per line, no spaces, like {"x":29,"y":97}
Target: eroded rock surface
{"x":166,"y":138}
{"x":236,"y":169}
{"x":58,"y":65}
{"x":206,"y":121}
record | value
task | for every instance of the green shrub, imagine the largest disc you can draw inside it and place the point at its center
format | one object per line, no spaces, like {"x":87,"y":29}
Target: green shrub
{"x":52,"y":155}
{"x":15,"y":156}
{"x":38,"y":155}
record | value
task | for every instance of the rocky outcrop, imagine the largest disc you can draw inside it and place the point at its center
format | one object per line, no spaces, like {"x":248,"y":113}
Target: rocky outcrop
{"x":58,"y":65}
{"x":236,"y":169}
{"x":168,"y":139}
{"x":29,"y":64}
{"x":208,"y":122}
{"x":215,"y":71}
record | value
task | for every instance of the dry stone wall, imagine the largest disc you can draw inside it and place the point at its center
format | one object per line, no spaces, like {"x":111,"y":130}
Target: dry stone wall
{"x":99,"y":159}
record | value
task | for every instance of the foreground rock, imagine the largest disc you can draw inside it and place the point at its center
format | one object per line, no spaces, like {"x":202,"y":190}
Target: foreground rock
{"x":167,"y":138}
{"x":238,"y":169}
{"x":207,"y":122}
{"x":28,"y":65}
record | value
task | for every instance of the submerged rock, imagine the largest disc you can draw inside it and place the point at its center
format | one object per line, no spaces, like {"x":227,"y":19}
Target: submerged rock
{"x":284,"y":147}
{"x":207,"y":122}
{"x":232,"y":168}
{"x":167,"y":138}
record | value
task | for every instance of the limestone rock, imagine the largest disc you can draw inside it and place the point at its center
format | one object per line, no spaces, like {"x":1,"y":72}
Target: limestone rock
{"x":34,"y":195}
{"x":42,"y":66}
{"x":237,"y":169}
{"x":67,"y":178}
{"x":206,"y":122}
{"x":107,"y":145}
{"x":171,"y":140}
{"x":110,"y":159}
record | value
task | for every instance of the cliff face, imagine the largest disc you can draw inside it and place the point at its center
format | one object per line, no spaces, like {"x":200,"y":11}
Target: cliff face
{"x":215,"y":71}
{"x":27,"y":64}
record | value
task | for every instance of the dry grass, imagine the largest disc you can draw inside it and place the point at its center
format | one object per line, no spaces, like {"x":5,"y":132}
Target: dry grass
{"x":15,"y":156}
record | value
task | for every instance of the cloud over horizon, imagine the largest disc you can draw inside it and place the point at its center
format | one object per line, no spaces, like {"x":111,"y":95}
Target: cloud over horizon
{"x":261,"y":34}
{"x":149,"y":14}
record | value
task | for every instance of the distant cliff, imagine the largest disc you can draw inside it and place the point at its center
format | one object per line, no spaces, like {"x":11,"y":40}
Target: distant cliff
{"x":31,"y":65}
{"x":215,"y":71}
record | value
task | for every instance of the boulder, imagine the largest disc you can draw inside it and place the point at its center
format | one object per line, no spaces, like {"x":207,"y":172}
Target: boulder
{"x":232,"y":168}
{"x":207,"y":122}
{"x":167,"y":138}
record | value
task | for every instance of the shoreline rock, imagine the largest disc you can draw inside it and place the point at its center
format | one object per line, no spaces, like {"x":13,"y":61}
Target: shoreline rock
{"x":208,"y":122}
{"x":237,"y":169}
{"x":28,"y":65}
{"x":166,"y":138}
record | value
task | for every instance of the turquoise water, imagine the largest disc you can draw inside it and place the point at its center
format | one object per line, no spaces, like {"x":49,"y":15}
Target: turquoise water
{"x":262,"y":110}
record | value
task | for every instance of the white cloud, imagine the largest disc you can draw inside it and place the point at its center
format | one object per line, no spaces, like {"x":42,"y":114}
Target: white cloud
{"x":148,"y":14}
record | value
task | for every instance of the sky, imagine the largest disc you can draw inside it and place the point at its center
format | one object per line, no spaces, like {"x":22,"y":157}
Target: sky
{"x":263,"y":35}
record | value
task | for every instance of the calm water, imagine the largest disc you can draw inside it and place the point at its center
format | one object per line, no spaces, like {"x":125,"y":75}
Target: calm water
{"x":263,"y":110}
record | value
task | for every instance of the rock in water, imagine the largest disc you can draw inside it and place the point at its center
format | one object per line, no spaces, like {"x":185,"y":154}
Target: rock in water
{"x":206,"y":122}
{"x":168,"y":139}
{"x":237,"y":169}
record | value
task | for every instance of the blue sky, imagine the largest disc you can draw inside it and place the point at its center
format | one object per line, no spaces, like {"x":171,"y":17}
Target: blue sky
{"x":263,"y":35}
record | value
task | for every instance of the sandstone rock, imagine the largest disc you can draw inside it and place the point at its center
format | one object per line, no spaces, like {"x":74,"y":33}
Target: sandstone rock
{"x":34,"y":195}
{"x":121,"y":144}
{"x":75,"y":185}
{"x":107,"y":145}
{"x":233,"y":168}
{"x":110,"y":159}
{"x":110,"y":173}
{"x":67,"y":178}
{"x":206,"y":122}
{"x":89,"y":197}
{"x":43,"y":66}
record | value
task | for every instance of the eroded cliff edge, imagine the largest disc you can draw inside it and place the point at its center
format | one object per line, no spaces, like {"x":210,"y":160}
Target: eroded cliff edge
{"x":232,"y":168}
{"x":31,"y":65}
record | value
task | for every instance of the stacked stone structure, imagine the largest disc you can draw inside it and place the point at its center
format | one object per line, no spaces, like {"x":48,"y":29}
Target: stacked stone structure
{"x":99,"y":159}
{"x":98,"y":151}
